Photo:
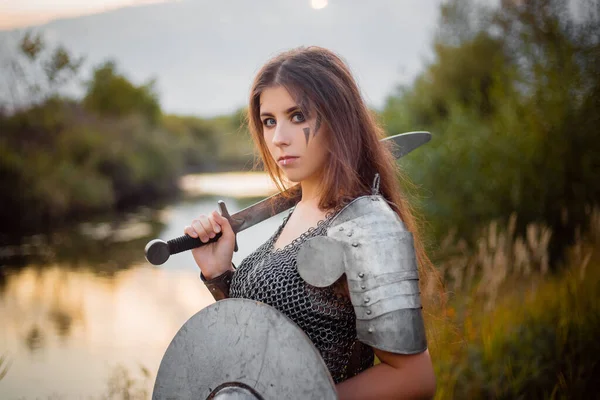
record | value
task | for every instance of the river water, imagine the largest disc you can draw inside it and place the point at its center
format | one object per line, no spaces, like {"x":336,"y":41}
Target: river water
{"x":85,"y":316}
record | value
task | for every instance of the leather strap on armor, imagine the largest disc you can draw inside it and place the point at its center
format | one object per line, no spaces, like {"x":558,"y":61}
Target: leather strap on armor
{"x":219,"y":286}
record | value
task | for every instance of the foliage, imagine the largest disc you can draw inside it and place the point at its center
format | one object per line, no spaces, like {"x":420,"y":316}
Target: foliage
{"x":512,"y":99}
{"x":214,"y":144}
{"x":38,"y":72}
{"x":516,"y":332}
{"x":64,"y":158}
{"x":4,"y":364}
{"x":122,"y":384}
{"x":92,"y":165}
{"x":110,"y":94}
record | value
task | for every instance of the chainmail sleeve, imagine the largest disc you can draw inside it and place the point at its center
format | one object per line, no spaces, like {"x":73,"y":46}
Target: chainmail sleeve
{"x":271,"y":276}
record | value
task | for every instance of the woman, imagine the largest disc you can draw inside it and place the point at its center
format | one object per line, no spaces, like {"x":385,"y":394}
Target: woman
{"x":312,"y":127}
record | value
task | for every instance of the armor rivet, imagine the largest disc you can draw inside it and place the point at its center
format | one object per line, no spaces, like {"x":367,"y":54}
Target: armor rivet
{"x":349,"y":234}
{"x":361,"y":275}
{"x":354,"y":244}
{"x":367,"y":299}
{"x":363,"y":287}
{"x":368,"y":312}
{"x":341,"y":228}
{"x":370,"y":330}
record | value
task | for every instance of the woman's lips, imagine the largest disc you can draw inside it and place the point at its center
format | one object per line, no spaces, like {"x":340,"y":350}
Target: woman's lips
{"x":287,"y":161}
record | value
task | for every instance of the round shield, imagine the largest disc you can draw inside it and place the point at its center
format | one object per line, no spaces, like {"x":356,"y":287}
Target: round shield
{"x":242,"y":349}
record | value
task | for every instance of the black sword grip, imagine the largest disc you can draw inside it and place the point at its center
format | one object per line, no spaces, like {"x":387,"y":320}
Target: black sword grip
{"x":185,"y":242}
{"x":158,"y":251}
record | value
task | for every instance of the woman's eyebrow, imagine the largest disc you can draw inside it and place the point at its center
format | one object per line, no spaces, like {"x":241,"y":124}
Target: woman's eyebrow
{"x":292,"y":109}
{"x":288,"y":111}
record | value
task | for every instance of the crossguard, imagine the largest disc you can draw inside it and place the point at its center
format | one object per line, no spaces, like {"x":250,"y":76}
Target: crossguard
{"x":158,"y":251}
{"x":234,"y":223}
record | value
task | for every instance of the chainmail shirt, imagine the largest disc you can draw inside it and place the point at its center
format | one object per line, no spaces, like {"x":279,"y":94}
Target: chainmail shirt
{"x":271,"y":276}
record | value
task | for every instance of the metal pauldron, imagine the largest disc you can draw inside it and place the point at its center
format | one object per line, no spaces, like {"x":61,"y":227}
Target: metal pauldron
{"x":368,"y":242}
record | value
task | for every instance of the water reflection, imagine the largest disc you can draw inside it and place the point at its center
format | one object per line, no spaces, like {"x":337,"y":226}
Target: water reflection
{"x":60,"y":325}
{"x":106,"y":245}
{"x":34,"y":338}
{"x":82,"y":304}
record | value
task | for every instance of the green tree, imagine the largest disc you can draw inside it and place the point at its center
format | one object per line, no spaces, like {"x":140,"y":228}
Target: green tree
{"x":512,"y":100}
{"x":109,"y":93}
{"x":62,"y":158}
{"x":34,"y":73}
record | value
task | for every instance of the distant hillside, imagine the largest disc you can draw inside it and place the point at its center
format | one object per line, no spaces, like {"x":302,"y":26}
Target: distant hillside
{"x":205,"y":53}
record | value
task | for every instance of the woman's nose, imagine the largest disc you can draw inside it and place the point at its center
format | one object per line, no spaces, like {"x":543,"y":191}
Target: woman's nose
{"x":282,"y":136}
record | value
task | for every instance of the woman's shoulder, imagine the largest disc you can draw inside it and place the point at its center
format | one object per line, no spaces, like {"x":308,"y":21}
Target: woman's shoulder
{"x":366,"y":211}
{"x":369,"y":244}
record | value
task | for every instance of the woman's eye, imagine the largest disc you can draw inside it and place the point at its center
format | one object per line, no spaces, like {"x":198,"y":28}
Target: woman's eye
{"x":269,"y":122}
{"x":298,"y":117}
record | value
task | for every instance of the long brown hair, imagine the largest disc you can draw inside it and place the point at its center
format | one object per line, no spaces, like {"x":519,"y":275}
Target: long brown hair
{"x":321,"y":82}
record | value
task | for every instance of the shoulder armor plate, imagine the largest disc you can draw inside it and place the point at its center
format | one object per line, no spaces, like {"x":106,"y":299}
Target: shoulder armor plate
{"x":368,"y":242}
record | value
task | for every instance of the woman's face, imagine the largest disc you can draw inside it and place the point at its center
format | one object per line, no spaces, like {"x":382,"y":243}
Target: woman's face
{"x":297,"y":144}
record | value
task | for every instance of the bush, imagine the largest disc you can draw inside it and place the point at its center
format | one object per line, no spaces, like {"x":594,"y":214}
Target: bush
{"x":538,"y":339}
{"x":59,"y":161}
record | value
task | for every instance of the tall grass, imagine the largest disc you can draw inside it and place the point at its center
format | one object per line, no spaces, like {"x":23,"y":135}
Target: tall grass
{"x":124,"y":384}
{"x":4,"y":363}
{"x":512,"y":330}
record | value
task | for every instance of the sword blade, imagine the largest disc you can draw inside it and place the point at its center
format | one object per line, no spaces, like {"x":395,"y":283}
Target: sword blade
{"x":404,"y":143}
{"x":261,"y":211}
{"x":400,"y":144}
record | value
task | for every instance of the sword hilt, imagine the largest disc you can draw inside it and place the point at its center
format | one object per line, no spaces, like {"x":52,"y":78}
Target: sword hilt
{"x":225,"y":214}
{"x":158,"y":251}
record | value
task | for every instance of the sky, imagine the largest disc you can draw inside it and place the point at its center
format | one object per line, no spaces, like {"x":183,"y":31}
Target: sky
{"x":21,"y":13}
{"x":195,"y":74}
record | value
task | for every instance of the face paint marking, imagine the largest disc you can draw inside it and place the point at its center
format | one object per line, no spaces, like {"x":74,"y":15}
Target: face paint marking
{"x":317,"y":125}
{"x":306,"y":134}
{"x":303,"y":103}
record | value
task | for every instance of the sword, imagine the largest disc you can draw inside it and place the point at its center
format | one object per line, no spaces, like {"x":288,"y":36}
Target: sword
{"x":158,"y":251}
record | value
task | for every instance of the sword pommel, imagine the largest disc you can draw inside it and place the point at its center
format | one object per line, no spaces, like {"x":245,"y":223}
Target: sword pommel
{"x":157,"y":251}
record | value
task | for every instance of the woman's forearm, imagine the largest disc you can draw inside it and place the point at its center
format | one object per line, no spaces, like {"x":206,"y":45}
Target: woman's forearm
{"x":414,"y":380}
